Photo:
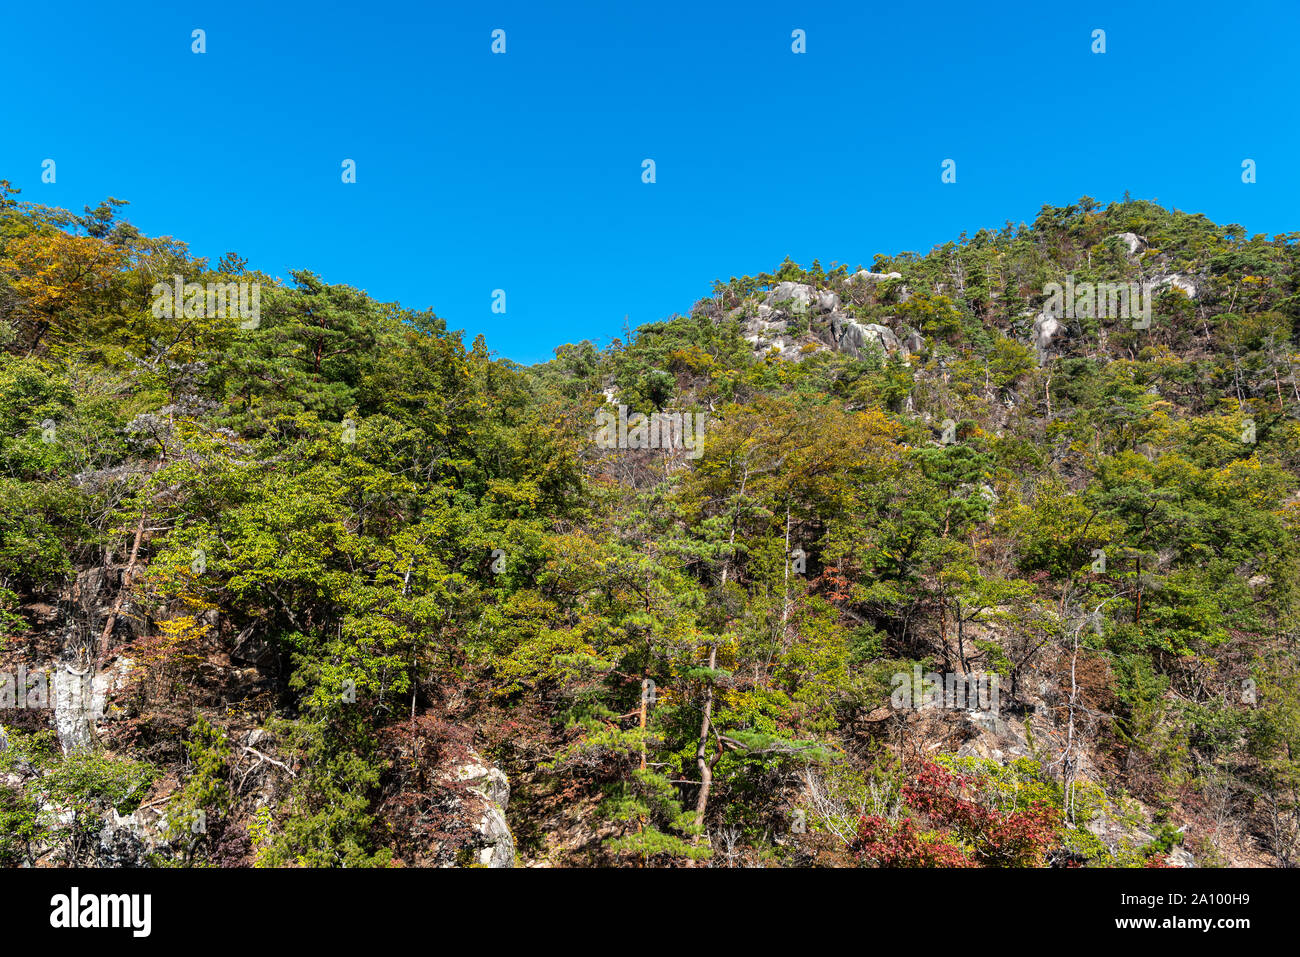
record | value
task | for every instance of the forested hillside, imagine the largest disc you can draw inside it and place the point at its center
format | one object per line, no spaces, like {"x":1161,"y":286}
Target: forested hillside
{"x":313,"y":582}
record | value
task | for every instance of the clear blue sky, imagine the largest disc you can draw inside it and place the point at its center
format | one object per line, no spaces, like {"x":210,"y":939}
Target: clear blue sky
{"x":523,"y":171}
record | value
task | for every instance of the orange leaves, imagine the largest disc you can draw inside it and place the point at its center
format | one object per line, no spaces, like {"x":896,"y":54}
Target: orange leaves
{"x":51,"y":268}
{"x":60,"y":279}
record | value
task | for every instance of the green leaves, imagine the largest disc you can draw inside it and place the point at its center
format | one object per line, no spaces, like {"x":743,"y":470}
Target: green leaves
{"x":401,"y":533}
{"x":62,"y":800}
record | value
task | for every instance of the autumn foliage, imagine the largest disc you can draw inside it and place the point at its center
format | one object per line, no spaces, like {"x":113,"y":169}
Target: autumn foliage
{"x":962,"y":831}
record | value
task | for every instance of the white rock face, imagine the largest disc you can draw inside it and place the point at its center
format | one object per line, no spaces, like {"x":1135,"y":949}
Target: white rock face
{"x":80,"y":700}
{"x":126,"y":840}
{"x":495,"y":844}
{"x":1184,"y":284}
{"x":852,"y":337}
{"x":797,"y":295}
{"x":772,"y":324}
{"x":74,"y":707}
{"x":827,"y":301}
{"x":1046,"y":329}
{"x":1133,"y":241}
{"x":866,"y":275}
{"x":484,"y":779}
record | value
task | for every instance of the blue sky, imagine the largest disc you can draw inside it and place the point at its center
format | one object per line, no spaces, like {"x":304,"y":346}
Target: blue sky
{"x":522,"y":171}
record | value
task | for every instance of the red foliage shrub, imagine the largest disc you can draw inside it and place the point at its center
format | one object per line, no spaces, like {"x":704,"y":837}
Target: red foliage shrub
{"x":899,"y":845}
{"x":967,"y":832}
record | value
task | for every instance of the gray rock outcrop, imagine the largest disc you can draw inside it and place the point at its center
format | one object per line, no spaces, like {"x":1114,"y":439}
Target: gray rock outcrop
{"x":854,"y":338}
{"x":1047,"y":329}
{"x":1175,"y":280}
{"x":487,"y":791}
{"x":1132,"y":242}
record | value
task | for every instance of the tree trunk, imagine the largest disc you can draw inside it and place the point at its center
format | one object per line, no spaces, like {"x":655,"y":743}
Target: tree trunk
{"x":107,"y":635}
{"x":706,"y":724}
{"x":706,"y":769}
{"x":645,"y":692}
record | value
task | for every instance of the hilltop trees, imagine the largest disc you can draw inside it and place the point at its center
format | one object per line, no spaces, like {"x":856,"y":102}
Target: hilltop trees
{"x":340,"y":546}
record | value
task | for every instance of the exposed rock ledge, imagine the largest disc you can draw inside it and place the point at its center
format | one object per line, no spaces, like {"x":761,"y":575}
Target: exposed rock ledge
{"x":489,"y":788}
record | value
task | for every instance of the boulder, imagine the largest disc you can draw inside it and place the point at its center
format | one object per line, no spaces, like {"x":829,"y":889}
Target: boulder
{"x":1047,"y":329}
{"x":827,"y":301}
{"x":852,"y":337}
{"x":486,"y":791}
{"x":1184,"y":284}
{"x":130,"y":840}
{"x":797,"y":296}
{"x":1132,"y":241}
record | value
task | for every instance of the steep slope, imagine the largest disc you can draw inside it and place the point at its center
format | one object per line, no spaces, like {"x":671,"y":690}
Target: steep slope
{"x":310,"y":582}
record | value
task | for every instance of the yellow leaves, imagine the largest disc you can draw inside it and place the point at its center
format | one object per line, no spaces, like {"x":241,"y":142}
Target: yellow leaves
{"x":174,"y":640}
{"x":790,"y":449}
{"x":62,"y":284}
{"x":183,"y":628}
{"x":1241,"y":480}
{"x":692,"y":359}
{"x":515,"y":493}
{"x":50,"y":268}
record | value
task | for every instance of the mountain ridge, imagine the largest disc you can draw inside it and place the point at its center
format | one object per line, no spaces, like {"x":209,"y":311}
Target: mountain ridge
{"x":317,"y":584}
